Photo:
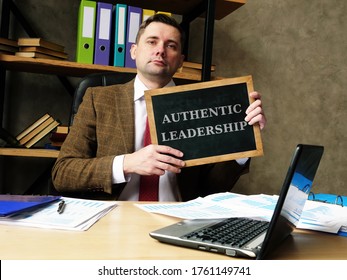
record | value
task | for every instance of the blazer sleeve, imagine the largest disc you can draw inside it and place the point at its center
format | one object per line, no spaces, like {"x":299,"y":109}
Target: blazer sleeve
{"x":86,"y":157}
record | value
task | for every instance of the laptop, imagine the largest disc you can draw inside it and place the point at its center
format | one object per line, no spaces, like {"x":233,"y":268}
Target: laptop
{"x":251,"y":238}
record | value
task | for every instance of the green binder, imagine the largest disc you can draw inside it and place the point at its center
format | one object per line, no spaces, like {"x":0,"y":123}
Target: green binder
{"x":86,"y":32}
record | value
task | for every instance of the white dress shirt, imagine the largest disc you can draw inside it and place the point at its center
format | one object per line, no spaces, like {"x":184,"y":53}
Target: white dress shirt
{"x":167,"y":183}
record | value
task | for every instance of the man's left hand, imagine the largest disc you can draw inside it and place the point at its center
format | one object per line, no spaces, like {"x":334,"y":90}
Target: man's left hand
{"x":255,"y":113}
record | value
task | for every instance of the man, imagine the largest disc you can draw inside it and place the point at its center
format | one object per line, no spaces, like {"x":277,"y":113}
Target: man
{"x":104,"y":151}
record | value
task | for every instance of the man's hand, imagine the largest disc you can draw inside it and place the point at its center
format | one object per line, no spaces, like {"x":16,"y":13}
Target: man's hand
{"x":153,"y":160}
{"x":255,"y":111}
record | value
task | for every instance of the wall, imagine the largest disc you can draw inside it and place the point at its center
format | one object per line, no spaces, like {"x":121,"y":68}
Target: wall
{"x":295,"y":51}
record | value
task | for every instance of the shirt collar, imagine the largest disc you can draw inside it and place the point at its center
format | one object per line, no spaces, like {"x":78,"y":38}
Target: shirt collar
{"x":140,"y":88}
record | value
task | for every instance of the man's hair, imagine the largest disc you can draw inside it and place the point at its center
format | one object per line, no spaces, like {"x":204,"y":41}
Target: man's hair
{"x":163,"y":19}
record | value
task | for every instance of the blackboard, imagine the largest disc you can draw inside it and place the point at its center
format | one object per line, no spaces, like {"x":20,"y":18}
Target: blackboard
{"x":205,"y":120}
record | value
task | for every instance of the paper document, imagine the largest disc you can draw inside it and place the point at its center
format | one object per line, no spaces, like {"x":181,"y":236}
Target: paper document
{"x":78,"y":214}
{"x":323,"y":217}
{"x":221,"y":205}
{"x":315,"y":216}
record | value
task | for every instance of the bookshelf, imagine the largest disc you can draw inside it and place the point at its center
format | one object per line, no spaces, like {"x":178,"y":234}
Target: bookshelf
{"x":185,"y":7}
{"x":69,"y":68}
{"x":189,"y":9}
{"x":32,"y":152}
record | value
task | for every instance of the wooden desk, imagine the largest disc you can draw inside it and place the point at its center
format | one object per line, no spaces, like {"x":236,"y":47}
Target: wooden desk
{"x":123,"y":234}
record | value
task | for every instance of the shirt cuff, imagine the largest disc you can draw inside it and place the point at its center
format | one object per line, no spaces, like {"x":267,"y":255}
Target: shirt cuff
{"x":117,"y":171}
{"x":241,"y":161}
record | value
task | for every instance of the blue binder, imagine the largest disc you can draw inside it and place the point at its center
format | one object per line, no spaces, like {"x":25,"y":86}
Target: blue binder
{"x":103,"y":33}
{"x":329,"y":198}
{"x":13,"y":204}
{"x":120,"y":35}
{"x":133,"y":24}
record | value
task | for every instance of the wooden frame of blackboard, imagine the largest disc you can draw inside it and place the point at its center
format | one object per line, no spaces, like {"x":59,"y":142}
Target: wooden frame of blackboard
{"x":205,"y":120}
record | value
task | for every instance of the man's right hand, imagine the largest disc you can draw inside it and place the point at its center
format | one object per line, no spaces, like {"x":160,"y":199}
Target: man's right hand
{"x":153,"y":160}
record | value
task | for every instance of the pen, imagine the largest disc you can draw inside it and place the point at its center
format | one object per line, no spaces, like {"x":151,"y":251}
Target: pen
{"x":61,"y":207}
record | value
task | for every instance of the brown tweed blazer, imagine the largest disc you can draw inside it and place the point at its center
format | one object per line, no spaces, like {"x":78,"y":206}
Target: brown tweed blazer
{"x":103,"y":128}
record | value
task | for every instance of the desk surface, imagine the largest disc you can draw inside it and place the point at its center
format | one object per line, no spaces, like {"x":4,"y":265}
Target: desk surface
{"x":123,"y":234}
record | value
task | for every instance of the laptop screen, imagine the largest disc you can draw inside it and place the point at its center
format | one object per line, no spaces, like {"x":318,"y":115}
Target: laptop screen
{"x":294,"y":193}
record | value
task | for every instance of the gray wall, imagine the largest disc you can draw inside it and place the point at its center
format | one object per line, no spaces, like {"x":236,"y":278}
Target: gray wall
{"x":296,"y":52}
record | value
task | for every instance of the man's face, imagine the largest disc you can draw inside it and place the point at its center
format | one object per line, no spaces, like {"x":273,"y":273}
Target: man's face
{"x":158,"y":52}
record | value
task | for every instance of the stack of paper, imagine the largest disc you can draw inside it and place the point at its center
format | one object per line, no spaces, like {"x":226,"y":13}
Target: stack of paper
{"x":220,"y":205}
{"x":324,"y":217}
{"x":315,"y":216}
{"x":79,"y":215}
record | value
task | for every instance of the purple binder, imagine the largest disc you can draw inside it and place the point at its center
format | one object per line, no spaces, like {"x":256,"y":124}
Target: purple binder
{"x":103,"y":33}
{"x":133,"y":24}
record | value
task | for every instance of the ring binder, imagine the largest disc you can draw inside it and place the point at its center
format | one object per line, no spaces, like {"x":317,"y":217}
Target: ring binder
{"x":328,"y":198}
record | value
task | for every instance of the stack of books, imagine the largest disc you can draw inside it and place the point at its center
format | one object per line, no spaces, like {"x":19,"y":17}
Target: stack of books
{"x":37,"y":130}
{"x":193,"y":68}
{"x":58,"y":136}
{"x":40,"y":48}
{"x":8,"y":46}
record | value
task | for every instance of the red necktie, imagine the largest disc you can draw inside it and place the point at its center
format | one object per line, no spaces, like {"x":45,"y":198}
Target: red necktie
{"x":148,"y":184}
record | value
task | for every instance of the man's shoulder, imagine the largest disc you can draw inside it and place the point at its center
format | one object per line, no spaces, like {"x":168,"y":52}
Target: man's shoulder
{"x":112,"y":94}
{"x":123,"y":87}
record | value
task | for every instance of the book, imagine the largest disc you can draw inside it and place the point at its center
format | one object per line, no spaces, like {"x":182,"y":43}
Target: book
{"x":8,"y":46}
{"x":56,"y":144}
{"x":5,"y":52}
{"x":35,"y":55}
{"x":44,"y":51}
{"x":32,"y":134}
{"x":58,"y":136}
{"x":36,"y":131}
{"x":62,"y":129}
{"x":8,"y":49}
{"x":193,"y":68}
{"x":32,"y":126}
{"x":39,"y":42}
{"x":42,"y":134}
{"x":8,"y":42}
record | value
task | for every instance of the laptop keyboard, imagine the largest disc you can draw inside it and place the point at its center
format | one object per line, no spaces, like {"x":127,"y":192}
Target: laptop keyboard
{"x":234,"y":232}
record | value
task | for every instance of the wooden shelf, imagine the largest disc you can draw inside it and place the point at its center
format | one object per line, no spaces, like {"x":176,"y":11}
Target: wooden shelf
{"x":23,"y":152}
{"x":70,"y":68}
{"x":55,"y":67}
{"x":184,"y":7}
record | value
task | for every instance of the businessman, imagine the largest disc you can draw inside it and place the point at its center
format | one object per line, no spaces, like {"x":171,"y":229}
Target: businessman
{"x":104,"y":152}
